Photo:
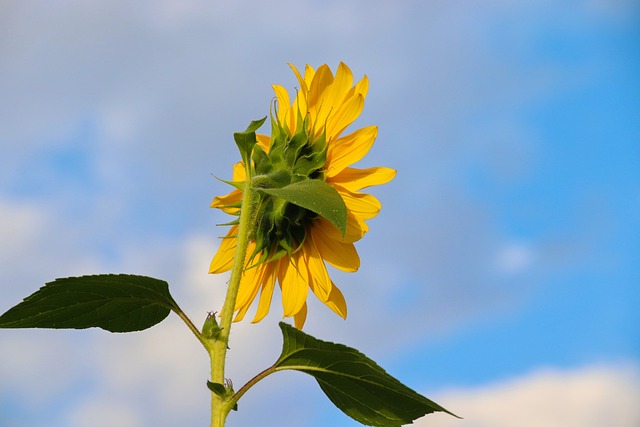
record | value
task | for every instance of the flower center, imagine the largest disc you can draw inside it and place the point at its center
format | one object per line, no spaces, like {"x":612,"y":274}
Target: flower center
{"x":292,"y":157}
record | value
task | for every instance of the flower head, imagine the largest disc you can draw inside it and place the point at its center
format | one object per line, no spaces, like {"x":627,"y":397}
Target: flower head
{"x":289,"y":244}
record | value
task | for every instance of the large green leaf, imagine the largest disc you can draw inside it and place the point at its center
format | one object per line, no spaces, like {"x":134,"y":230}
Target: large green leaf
{"x":114,"y":302}
{"x":316,"y":196}
{"x":353,"y":382}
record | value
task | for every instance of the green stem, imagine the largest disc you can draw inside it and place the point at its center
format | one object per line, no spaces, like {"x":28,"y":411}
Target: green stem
{"x":253,"y":381}
{"x":192,"y":327}
{"x":221,"y":406}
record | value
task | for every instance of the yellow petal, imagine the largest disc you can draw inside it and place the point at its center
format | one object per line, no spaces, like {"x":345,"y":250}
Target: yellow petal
{"x":337,"y":302}
{"x":242,"y":310}
{"x":300,"y":102}
{"x":333,"y":97}
{"x":223,"y":202}
{"x":283,"y":104}
{"x":294,"y":281}
{"x":356,"y":179}
{"x":357,"y":223}
{"x":363,"y":206}
{"x":299,"y":107}
{"x":319,"y":280}
{"x":301,"y":80}
{"x":264,"y":142}
{"x":353,"y":233}
{"x":349,"y":149}
{"x":266,"y":294}
{"x":241,"y":313}
{"x":249,"y":285}
{"x":309,"y":74}
{"x":223,"y":259}
{"x":341,"y":85}
{"x":339,"y":254}
{"x":322,"y":79}
{"x":362,"y":87}
{"x":346,"y":113}
{"x":239,"y":174}
{"x":248,"y":291}
{"x":300,"y":317}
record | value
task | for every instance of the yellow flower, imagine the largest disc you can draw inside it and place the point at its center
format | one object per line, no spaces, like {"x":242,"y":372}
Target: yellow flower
{"x":294,"y":247}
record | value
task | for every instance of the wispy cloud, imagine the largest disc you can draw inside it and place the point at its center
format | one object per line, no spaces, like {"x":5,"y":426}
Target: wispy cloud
{"x":592,"y":396}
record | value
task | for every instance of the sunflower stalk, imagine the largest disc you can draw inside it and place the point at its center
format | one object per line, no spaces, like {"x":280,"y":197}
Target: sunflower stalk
{"x":220,"y":403}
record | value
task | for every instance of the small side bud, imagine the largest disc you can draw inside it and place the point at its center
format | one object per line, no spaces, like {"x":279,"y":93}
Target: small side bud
{"x":211,"y":330}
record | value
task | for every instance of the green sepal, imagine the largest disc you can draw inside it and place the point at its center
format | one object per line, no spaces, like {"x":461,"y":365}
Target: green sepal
{"x":234,"y":222}
{"x":353,"y":382}
{"x":237,"y":184}
{"x":294,"y":146}
{"x":113,"y":302}
{"x":316,"y":196}
{"x":255,"y":125}
{"x":261,"y":161}
{"x":246,"y":140}
{"x":313,"y":159}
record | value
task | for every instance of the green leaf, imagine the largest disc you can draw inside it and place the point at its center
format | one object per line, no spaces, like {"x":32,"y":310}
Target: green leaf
{"x":316,"y":196}
{"x":352,"y":381}
{"x":114,"y":302}
{"x":247,"y":140}
{"x":221,"y":391}
{"x":217,"y":388}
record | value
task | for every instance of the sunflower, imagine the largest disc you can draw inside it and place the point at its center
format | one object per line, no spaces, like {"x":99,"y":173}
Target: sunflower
{"x":291,"y":245}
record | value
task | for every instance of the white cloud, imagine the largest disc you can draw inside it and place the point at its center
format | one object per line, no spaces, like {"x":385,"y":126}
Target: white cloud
{"x":36,"y":365}
{"x":20,"y":226}
{"x":104,"y":414}
{"x":594,"y":396}
{"x":37,"y":246}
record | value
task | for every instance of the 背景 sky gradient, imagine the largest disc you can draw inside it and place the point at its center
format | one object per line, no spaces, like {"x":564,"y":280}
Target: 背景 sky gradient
{"x":500,"y":278}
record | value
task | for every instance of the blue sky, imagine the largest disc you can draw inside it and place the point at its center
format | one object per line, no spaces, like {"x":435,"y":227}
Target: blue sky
{"x":499,"y":279}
